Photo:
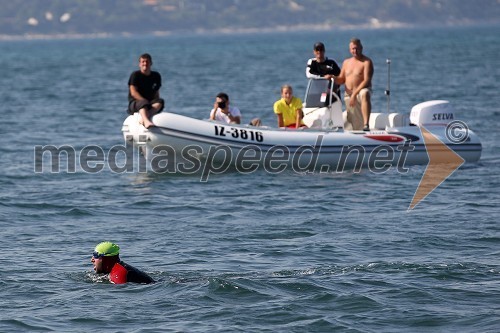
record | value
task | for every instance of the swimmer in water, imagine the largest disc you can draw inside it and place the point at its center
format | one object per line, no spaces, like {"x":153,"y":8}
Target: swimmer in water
{"x":106,"y":260}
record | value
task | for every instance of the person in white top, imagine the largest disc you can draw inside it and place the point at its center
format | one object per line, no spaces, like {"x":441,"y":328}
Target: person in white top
{"x":223,"y":112}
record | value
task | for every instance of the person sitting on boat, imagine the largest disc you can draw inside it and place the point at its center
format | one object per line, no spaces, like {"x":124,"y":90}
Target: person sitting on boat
{"x":322,"y":67}
{"x":223,"y":112}
{"x":144,"y":91}
{"x":357,"y":74}
{"x":106,"y":260}
{"x":289,"y":109}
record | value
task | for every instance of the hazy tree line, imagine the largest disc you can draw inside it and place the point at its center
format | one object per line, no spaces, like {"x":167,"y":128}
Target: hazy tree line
{"x":142,"y":16}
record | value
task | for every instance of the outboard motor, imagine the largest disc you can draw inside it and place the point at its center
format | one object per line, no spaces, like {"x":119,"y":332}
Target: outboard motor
{"x":432,"y":113}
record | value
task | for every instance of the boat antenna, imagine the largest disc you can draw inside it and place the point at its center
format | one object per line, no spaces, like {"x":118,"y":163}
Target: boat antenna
{"x":388,"y":90}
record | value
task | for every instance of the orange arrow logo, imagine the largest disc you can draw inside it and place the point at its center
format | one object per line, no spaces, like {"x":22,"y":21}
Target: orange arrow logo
{"x":443,"y":162}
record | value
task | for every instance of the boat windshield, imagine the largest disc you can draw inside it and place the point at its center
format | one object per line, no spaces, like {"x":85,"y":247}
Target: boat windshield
{"x":318,"y":93}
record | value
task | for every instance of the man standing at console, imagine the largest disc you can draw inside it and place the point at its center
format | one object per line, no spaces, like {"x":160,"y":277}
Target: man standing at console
{"x":322,"y":67}
{"x":144,"y":91}
{"x":356,"y":74}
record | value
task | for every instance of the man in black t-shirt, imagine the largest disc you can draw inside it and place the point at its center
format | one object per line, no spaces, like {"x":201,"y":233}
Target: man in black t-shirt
{"x":322,"y":67}
{"x":144,"y":91}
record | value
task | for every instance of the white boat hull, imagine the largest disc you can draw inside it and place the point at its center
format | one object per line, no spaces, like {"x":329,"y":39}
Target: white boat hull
{"x":180,"y":143}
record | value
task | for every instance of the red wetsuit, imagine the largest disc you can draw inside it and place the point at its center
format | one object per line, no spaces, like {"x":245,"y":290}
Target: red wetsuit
{"x":123,"y":273}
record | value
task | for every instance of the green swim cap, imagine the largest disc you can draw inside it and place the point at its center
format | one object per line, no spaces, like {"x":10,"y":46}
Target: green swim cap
{"x":107,"y":249}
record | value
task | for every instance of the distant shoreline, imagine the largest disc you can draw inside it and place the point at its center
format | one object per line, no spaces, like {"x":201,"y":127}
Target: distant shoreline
{"x":230,"y":31}
{"x":225,"y":31}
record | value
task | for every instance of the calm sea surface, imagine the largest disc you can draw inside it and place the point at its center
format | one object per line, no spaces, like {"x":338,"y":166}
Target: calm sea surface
{"x":260,"y":252}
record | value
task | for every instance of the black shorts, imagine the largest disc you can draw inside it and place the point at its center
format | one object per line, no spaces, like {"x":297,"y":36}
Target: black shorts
{"x":135,"y":106}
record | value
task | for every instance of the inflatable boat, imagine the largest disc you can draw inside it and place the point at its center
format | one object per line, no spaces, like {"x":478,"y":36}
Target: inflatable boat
{"x":183,"y":144}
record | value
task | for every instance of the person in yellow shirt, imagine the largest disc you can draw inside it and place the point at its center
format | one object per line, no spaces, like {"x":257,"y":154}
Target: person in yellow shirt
{"x":289,"y":109}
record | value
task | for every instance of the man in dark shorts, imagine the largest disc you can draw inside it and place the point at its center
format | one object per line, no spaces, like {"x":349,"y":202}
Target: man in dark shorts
{"x":144,"y":91}
{"x":106,"y":260}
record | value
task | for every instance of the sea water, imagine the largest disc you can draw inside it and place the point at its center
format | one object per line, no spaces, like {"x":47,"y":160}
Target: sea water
{"x":257,"y":252}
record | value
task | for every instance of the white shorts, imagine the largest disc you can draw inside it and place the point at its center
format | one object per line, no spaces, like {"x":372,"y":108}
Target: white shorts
{"x":355,"y":120}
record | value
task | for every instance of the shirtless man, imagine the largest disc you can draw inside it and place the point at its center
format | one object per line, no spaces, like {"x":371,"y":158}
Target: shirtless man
{"x":356,"y":74}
